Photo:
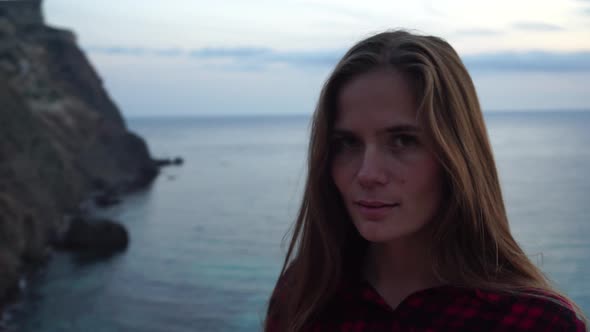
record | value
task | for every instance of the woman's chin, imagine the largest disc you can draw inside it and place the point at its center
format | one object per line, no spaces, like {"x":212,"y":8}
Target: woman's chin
{"x":376,"y":231}
{"x":383,"y":230}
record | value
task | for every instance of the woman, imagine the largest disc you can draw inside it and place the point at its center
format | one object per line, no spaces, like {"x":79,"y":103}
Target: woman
{"x":402,"y":225}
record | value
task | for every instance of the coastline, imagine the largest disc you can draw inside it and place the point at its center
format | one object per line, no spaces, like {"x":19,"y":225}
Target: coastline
{"x":63,"y":142}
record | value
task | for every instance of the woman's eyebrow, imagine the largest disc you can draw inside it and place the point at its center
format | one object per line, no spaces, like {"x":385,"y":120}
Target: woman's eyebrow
{"x":402,"y":128}
{"x":342,"y":132}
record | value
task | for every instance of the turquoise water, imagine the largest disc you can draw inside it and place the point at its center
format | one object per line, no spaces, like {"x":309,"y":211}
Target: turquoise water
{"x":206,"y":238}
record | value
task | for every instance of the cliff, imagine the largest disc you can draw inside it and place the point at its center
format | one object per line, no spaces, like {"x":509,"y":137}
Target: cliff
{"x":61,"y":137}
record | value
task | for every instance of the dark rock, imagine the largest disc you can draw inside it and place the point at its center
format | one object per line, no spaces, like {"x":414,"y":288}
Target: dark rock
{"x":9,"y":278}
{"x":162,"y":162}
{"x":101,"y":237}
{"x":73,"y":71}
{"x":106,"y":200}
{"x":22,"y":13}
{"x":62,"y":139}
{"x":144,"y":178}
{"x":99,"y":184}
{"x":36,"y":250}
{"x":178,"y":161}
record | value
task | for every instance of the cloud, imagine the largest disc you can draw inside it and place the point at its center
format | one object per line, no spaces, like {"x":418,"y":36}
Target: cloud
{"x":232,"y":52}
{"x":134,"y":51}
{"x":170,"y":52}
{"x":358,"y":14}
{"x":256,"y":57}
{"x":315,"y":58}
{"x":531,"y":61}
{"x":536,"y":26}
{"x":434,"y":12}
{"x":118,"y":50}
{"x":245,"y":55}
{"x":259,"y":58}
{"x":478,"y":32}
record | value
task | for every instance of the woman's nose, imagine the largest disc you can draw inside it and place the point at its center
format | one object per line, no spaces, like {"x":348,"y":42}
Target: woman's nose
{"x":372,"y":170}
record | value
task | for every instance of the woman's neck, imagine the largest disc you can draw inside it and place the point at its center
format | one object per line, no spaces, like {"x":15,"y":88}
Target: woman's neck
{"x":398,"y":269}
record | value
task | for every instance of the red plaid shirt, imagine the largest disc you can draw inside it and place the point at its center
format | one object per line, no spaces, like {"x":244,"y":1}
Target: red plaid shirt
{"x":359,"y":308}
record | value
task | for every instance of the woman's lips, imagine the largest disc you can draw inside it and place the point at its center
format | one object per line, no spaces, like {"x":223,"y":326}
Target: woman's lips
{"x":374,"y":210}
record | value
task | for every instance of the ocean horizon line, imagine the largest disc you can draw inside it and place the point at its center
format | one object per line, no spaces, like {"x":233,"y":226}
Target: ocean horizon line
{"x":250,"y":116}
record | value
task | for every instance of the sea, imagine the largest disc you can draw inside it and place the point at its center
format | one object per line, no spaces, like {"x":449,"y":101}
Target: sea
{"x":208,"y":237}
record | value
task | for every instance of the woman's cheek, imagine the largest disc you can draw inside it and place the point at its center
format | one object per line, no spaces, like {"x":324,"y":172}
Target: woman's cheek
{"x":345,"y":165}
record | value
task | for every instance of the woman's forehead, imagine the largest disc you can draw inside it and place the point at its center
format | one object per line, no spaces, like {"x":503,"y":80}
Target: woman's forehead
{"x":379,"y":99}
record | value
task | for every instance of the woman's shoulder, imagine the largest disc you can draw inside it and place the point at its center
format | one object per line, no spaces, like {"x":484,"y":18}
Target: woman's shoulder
{"x":531,"y":310}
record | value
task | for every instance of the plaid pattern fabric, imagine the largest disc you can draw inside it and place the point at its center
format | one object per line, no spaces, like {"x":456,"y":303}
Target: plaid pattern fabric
{"x":359,"y":308}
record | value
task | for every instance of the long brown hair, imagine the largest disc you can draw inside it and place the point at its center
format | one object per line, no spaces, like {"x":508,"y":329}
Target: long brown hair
{"x":472,"y":243}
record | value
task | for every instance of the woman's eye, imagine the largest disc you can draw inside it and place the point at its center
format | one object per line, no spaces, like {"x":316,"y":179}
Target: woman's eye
{"x":344,"y":143}
{"x":403,"y":141}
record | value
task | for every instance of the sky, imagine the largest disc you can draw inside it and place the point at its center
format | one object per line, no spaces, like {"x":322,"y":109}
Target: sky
{"x":238,"y":57}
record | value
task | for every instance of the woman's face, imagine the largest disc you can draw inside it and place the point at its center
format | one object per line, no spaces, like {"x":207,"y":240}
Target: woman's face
{"x":383,"y":166}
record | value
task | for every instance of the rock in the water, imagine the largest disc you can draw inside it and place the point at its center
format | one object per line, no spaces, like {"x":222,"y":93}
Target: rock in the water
{"x":178,"y":161}
{"x":162,"y":162}
{"x":106,"y":200}
{"x":144,"y":178}
{"x":95,"y":236}
{"x":9,"y":276}
{"x":99,"y":184}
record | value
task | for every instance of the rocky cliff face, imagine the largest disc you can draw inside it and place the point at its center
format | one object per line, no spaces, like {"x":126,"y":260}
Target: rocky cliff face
{"x":61,"y":137}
